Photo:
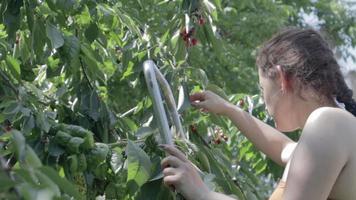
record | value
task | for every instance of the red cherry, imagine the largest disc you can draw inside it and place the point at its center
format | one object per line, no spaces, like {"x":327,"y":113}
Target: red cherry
{"x":17,"y":41}
{"x":194,"y":41}
{"x":8,"y":128}
{"x":201,"y":21}
{"x":184,"y":34}
{"x":193,"y":128}
{"x":217,"y":141}
{"x":241,"y":103}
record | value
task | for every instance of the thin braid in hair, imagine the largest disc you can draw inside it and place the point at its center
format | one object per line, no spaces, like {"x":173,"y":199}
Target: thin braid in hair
{"x":344,"y":94}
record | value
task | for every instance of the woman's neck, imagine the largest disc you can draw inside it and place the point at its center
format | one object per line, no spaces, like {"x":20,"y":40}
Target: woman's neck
{"x":303,"y":109}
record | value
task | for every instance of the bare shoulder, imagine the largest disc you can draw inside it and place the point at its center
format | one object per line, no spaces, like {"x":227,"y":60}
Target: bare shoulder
{"x":329,"y":117}
{"x":317,"y":168}
{"x":330,"y":125}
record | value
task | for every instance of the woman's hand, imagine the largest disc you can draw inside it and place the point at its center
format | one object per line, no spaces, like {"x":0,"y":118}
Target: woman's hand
{"x":181,"y":174}
{"x":210,"y":102}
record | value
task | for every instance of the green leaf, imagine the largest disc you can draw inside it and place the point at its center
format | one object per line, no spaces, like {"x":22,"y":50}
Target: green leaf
{"x":139,"y":164}
{"x":129,"y":22}
{"x":183,"y":99}
{"x":84,"y":18}
{"x":71,"y":50}
{"x":54,"y":149}
{"x":6,"y":182}
{"x":42,"y":122}
{"x":31,"y":158}
{"x":2,"y":32}
{"x":28,"y":125}
{"x":14,"y":65}
{"x":45,"y":181}
{"x":25,"y":51}
{"x":129,"y":71}
{"x":92,"y":32}
{"x":89,"y":58}
{"x":19,"y":143}
{"x":54,"y":35}
{"x":130,"y":124}
{"x":116,"y":160}
{"x":11,"y":17}
{"x":65,"y":5}
{"x":216,"y":89}
{"x":37,"y":38}
{"x":66,"y":186}
{"x":144,"y":132}
{"x":94,"y":105}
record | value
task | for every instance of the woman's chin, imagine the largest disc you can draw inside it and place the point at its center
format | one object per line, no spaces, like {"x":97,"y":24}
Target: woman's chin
{"x":285,"y":128}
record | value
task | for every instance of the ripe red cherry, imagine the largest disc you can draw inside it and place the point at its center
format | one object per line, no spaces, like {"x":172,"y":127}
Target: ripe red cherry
{"x":193,"y":128}
{"x":194,"y":42}
{"x":217,"y":141}
{"x":184,"y":34}
{"x":241,"y":103}
{"x":201,"y":21}
{"x":8,"y":128}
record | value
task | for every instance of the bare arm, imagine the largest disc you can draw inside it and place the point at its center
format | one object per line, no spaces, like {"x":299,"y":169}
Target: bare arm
{"x":318,"y":159}
{"x":266,"y":138}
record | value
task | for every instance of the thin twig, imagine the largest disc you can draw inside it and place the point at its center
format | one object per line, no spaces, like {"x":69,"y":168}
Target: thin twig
{"x":128,"y":112}
{"x":82,"y":65}
{"x":85,"y":74}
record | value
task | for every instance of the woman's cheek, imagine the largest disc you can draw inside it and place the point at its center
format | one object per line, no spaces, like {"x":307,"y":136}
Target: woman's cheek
{"x":269,"y":107}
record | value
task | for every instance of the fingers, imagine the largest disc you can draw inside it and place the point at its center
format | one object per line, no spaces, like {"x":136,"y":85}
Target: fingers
{"x":174,"y":152}
{"x":171,"y":161}
{"x":199,"y":104}
{"x":199,"y":100}
{"x":169,"y":171}
{"x":199,"y":96}
{"x":171,"y":180}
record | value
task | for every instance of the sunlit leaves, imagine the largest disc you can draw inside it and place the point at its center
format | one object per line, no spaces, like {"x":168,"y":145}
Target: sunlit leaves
{"x":139,"y":164}
{"x":54,"y":35}
{"x":14,"y":66}
{"x":71,"y":51}
{"x":38,"y":38}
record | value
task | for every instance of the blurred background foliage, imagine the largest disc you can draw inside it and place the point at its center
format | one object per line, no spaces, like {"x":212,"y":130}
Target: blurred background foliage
{"x":76,"y":117}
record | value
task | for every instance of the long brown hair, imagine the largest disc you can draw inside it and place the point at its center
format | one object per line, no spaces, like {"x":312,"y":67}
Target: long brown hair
{"x":305,"y":55}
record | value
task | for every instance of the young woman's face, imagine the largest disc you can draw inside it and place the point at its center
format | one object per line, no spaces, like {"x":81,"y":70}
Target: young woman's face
{"x":278,"y":105}
{"x":270,"y":93}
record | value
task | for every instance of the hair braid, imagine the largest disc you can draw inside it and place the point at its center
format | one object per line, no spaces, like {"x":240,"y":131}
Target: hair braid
{"x":344,"y":94}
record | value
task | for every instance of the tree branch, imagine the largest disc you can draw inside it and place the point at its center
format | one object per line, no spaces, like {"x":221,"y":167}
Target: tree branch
{"x":85,"y":74}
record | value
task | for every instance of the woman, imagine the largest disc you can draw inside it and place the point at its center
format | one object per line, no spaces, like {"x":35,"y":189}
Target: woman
{"x":303,"y":88}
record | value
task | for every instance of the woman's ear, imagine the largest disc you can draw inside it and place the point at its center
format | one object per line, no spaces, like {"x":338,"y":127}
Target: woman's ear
{"x":283,"y":78}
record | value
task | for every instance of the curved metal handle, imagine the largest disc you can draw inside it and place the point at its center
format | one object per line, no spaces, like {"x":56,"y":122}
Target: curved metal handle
{"x":152,"y":74}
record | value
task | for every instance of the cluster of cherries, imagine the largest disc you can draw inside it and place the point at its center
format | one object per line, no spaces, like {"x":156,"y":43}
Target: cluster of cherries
{"x":219,"y":135}
{"x":187,"y":35}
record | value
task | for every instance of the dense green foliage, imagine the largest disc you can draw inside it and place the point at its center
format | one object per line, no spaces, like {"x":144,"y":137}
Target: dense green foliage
{"x":76,"y":117}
